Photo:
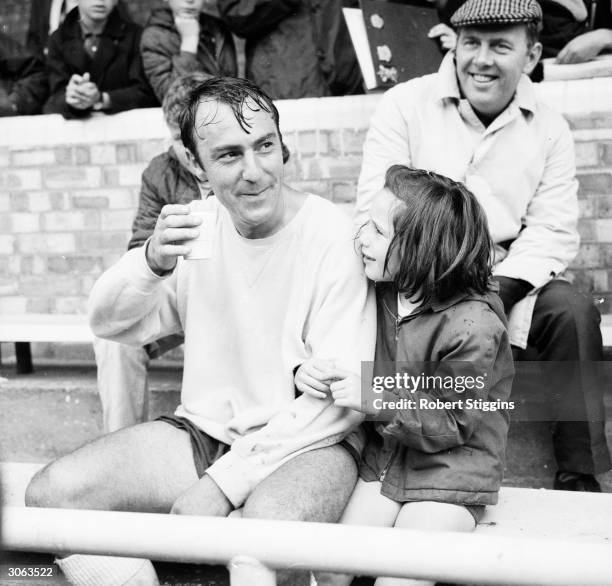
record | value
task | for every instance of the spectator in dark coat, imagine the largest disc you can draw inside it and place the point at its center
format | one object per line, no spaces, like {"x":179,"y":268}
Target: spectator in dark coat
{"x":295,"y":48}
{"x":23,"y":81}
{"x":180,"y":39}
{"x":94,"y":63}
{"x":45,"y":18}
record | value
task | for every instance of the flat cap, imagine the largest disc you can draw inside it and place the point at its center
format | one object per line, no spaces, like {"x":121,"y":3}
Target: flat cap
{"x":484,"y":12}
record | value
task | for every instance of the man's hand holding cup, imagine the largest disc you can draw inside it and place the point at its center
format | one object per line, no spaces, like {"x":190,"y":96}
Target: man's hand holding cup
{"x":175,"y":231}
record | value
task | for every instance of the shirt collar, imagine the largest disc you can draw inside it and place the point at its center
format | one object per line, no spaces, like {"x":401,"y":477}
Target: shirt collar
{"x":448,"y":86}
{"x":89,"y":32}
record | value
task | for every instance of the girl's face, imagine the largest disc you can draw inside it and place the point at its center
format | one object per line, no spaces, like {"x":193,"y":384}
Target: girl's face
{"x":375,"y":237}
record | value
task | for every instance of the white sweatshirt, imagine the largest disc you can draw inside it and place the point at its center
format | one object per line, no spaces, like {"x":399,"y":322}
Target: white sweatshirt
{"x":251,"y":315}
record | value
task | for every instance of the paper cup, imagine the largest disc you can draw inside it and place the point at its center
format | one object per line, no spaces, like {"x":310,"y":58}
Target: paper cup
{"x":202,"y":247}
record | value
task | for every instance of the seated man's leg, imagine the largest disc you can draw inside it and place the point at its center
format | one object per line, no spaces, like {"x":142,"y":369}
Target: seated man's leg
{"x":122,"y":383}
{"x":143,"y":468}
{"x":314,"y":486}
{"x":565,"y":327}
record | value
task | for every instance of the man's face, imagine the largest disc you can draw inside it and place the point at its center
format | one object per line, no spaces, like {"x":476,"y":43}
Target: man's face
{"x":490,"y":62}
{"x":96,"y":10}
{"x":186,"y":8}
{"x":245,"y":170}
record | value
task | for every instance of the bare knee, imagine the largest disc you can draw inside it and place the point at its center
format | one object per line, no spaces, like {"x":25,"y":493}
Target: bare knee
{"x":184,"y":505}
{"x":314,"y":486}
{"x":55,"y":486}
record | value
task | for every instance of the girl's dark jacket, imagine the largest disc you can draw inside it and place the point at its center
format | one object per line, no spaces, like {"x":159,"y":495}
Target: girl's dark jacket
{"x":116,"y":67}
{"x":446,"y":455}
{"x":163,"y":60}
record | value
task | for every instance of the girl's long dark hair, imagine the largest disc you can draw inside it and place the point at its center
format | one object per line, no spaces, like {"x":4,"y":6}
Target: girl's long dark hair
{"x":441,"y":241}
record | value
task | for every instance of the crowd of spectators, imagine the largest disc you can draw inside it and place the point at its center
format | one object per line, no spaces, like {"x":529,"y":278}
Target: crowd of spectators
{"x":87,"y":55}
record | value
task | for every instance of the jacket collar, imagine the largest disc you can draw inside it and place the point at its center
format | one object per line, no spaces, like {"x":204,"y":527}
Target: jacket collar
{"x":447,"y":86}
{"x":390,"y":293}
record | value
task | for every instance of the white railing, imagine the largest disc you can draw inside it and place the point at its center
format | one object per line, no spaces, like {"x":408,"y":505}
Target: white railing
{"x":254,"y":549}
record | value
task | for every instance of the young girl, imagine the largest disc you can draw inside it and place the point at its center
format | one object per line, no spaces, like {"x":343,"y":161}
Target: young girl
{"x":435,"y":447}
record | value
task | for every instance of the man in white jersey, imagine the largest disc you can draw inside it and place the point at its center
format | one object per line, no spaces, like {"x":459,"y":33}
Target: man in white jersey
{"x":283,"y":286}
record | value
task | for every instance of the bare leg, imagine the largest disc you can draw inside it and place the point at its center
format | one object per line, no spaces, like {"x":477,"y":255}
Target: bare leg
{"x":365,"y":507}
{"x":142,"y":468}
{"x":314,"y":486}
{"x":429,"y":516}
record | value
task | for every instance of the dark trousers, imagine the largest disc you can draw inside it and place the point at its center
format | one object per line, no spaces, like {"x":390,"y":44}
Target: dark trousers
{"x":565,"y":328}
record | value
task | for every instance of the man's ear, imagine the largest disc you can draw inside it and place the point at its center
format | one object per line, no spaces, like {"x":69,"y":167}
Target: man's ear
{"x":196,"y":169}
{"x":533,"y":56}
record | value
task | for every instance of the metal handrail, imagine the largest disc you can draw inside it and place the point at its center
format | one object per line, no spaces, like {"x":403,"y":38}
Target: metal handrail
{"x":450,"y":557}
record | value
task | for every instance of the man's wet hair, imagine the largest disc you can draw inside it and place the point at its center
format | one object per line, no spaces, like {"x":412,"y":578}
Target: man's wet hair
{"x":238,"y":94}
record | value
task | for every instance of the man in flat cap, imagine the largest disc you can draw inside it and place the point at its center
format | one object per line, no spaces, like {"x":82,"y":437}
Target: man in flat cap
{"x":478,"y":120}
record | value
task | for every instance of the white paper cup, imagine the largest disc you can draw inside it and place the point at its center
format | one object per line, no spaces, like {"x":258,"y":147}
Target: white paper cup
{"x":202,"y":247}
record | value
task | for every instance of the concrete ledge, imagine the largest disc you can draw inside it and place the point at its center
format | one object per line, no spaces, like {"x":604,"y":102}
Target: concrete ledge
{"x":572,"y":98}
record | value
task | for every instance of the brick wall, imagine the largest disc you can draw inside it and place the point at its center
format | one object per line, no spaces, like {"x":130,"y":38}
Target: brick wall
{"x":68,"y":190}
{"x":592,"y":269}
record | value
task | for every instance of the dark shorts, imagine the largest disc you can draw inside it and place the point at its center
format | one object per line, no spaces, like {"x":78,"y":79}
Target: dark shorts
{"x":477,"y":511}
{"x":207,"y":450}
